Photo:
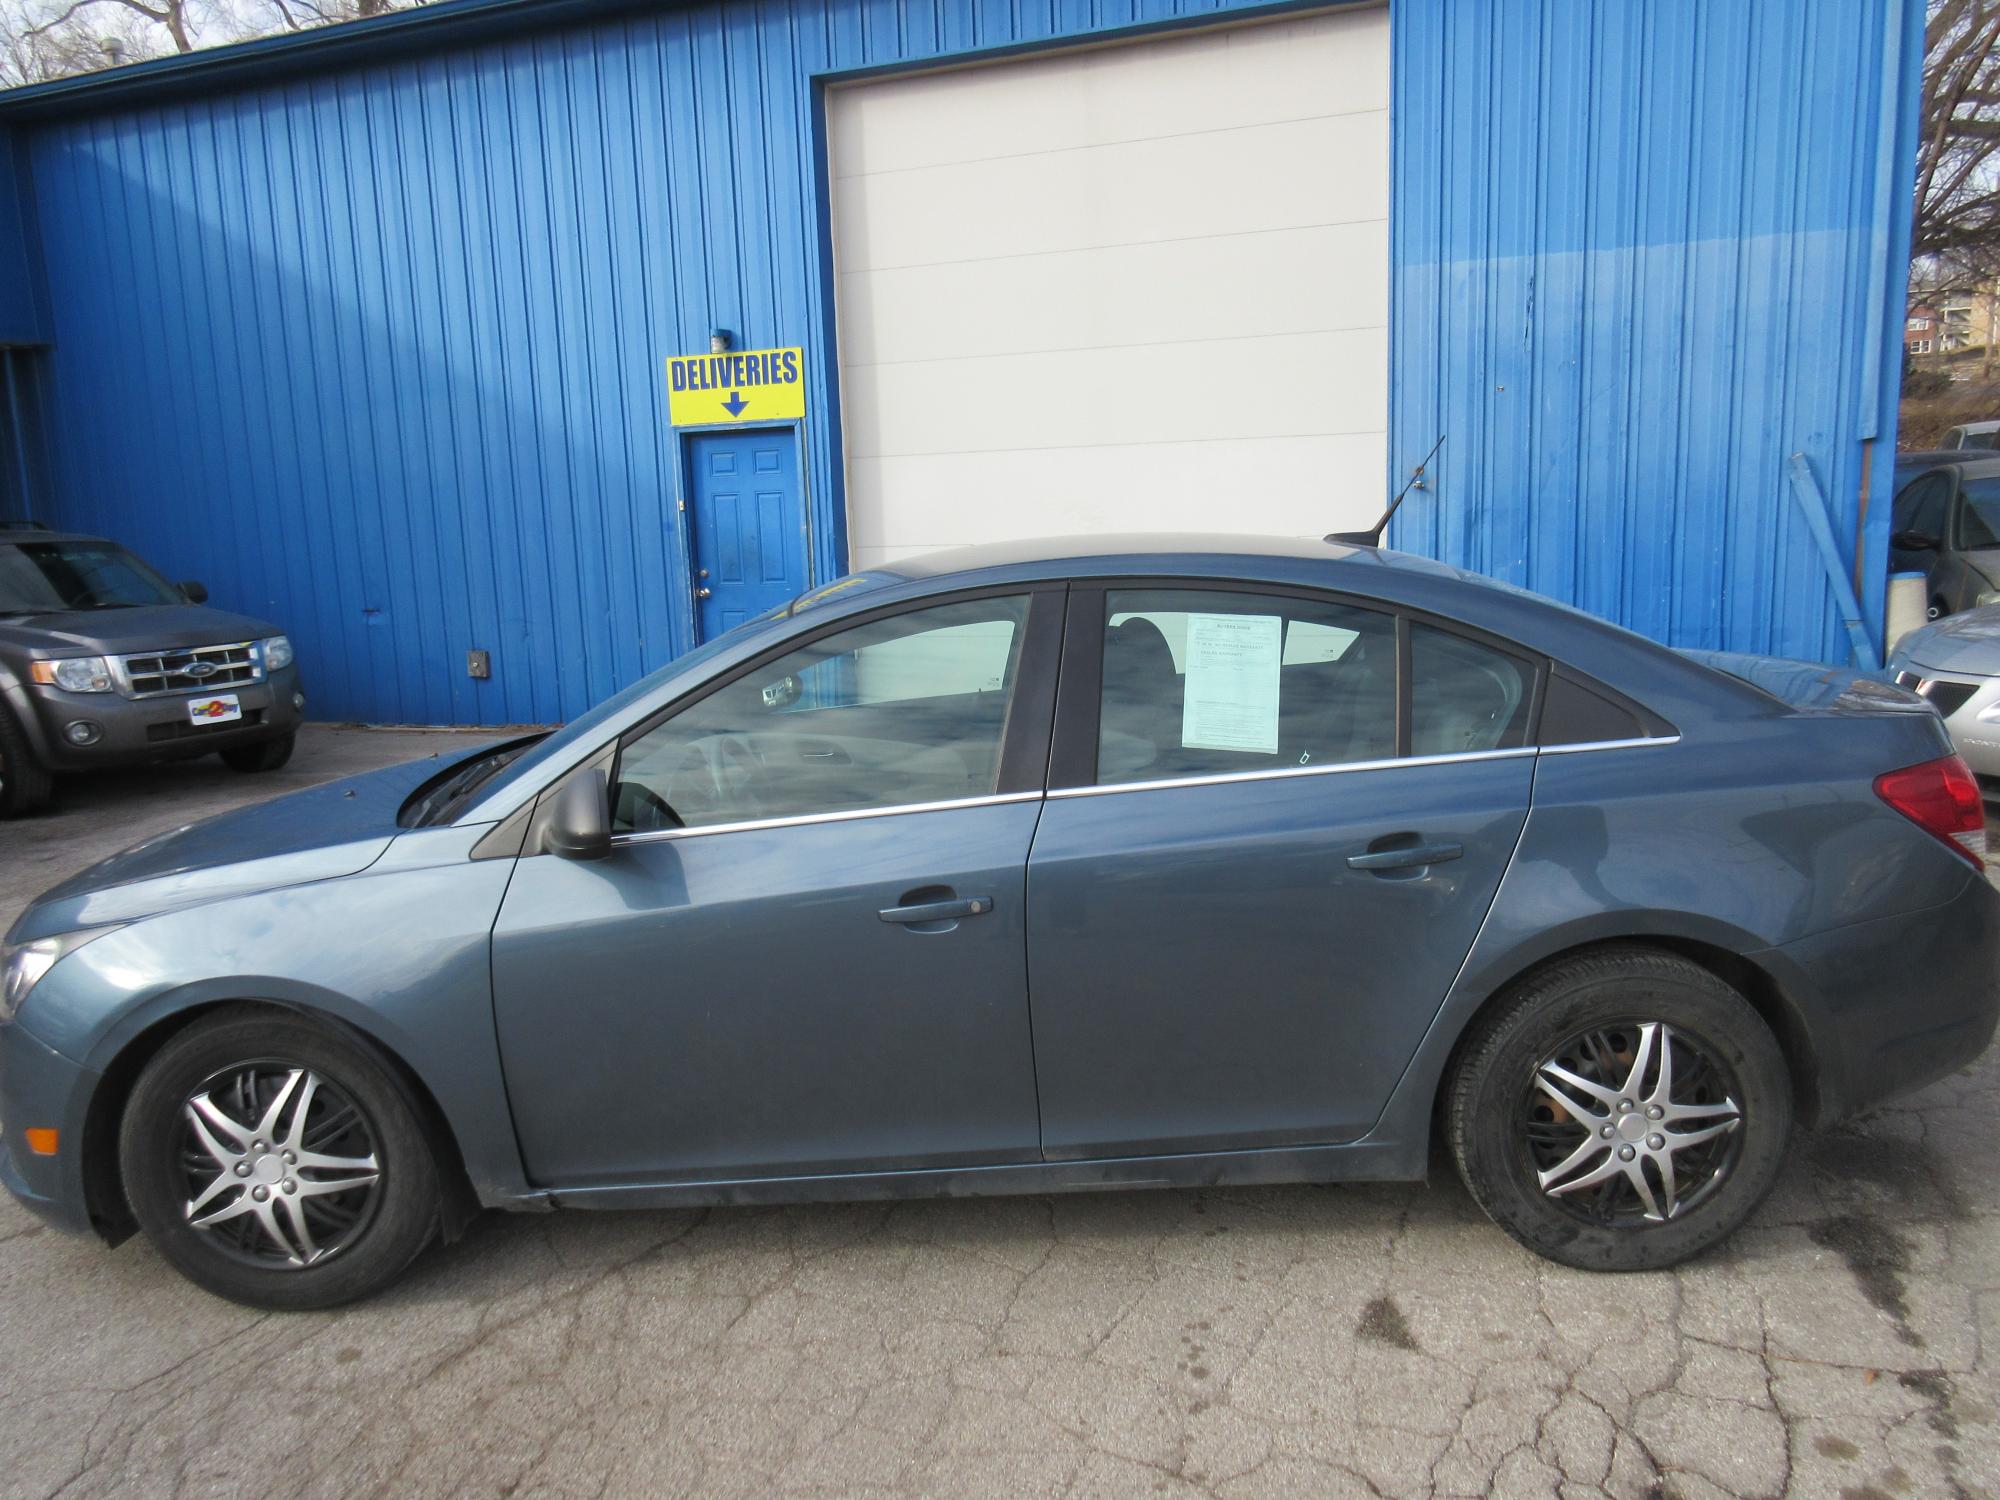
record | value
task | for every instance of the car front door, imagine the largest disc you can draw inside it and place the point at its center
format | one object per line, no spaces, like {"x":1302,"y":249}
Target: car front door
{"x":806,"y":951}
{"x":1274,"y":826}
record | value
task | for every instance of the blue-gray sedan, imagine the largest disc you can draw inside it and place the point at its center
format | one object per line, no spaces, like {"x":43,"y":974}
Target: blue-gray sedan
{"x":1030,"y":869}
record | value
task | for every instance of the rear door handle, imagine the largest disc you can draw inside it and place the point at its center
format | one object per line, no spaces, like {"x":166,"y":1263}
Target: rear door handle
{"x":1406,"y":859}
{"x":938,"y":911}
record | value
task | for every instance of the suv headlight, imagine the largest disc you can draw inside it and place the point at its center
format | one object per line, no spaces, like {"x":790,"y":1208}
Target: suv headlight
{"x":22,"y":965}
{"x":80,"y":674}
{"x":277,"y":653}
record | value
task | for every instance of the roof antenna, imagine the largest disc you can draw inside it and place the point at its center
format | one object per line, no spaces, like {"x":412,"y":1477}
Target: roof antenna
{"x":1372,"y":537}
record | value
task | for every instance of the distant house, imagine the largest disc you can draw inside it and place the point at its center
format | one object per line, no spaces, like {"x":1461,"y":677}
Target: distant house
{"x":1920,"y":330}
{"x":1967,"y":320}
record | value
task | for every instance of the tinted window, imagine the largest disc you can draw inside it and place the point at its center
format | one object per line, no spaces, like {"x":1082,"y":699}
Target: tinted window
{"x":1573,"y":714}
{"x":77,"y":575}
{"x":1464,"y":696}
{"x":1201,"y":683}
{"x":1920,"y":507}
{"x":1979,"y":514}
{"x":904,"y":710}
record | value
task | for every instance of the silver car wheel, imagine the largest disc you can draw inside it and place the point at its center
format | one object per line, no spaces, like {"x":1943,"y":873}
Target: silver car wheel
{"x":281,"y":1166}
{"x":1632,"y":1123}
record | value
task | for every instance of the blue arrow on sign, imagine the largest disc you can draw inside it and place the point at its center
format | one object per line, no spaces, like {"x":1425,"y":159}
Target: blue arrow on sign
{"x":735,"y":404}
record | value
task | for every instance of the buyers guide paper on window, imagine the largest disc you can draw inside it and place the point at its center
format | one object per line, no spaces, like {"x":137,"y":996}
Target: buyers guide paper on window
{"x":1231,"y":698}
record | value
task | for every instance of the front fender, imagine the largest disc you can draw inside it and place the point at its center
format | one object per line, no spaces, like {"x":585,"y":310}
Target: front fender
{"x":398,"y":953}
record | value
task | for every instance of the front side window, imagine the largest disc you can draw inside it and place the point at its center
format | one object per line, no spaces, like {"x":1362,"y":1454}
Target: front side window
{"x":1200,"y":683}
{"x":904,"y":710}
{"x":1979,"y":514}
{"x":1920,"y":507}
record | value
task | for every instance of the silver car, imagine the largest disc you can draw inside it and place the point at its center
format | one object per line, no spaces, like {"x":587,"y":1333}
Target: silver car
{"x":1955,"y":663}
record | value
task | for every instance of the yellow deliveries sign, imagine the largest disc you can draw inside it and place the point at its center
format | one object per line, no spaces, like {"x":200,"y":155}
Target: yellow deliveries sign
{"x":745,"y":385}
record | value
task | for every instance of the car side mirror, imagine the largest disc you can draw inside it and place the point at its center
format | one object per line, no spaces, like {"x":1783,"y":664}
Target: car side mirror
{"x":1913,"y":541}
{"x":580,"y":823}
{"x":194,"y":593}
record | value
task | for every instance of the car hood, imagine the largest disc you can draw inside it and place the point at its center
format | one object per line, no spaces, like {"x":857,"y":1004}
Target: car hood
{"x":117,"y":632}
{"x":1967,"y":643}
{"x":337,"y":829}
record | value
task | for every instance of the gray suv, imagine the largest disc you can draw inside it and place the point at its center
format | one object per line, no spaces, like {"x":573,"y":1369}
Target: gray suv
{"x":105,"y":663}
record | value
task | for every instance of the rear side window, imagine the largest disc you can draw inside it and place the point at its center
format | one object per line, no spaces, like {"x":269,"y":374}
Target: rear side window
{"x":1573,"y":714}
{"x":1465,"y":696}
{"x":1200,"y":683}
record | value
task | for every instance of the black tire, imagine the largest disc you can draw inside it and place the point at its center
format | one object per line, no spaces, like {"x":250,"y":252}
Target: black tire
{"x":265,"y":755}
{"x":1505,"y":1131}
{"x":161,"y":1162}
{"x":25,"y":784}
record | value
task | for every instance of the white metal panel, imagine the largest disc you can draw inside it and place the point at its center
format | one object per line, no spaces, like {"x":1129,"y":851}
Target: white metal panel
{"x":1139,"y":287}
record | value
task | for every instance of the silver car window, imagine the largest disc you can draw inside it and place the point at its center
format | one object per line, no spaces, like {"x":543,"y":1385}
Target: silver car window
{"x":898,"y":711}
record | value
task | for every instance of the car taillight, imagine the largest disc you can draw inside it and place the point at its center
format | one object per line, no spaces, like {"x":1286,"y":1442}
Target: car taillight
{"x":1942,"y":798}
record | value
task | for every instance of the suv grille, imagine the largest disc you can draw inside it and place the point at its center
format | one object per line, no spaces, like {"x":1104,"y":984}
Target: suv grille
{"x":191,"y":669}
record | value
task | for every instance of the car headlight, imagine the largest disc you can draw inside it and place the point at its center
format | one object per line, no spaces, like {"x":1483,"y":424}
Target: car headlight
{"x":80,"y":674}
{"x":22,"y":965}
{"x":277,"y":653}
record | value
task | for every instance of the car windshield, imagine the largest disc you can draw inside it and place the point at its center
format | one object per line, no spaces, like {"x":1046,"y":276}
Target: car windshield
{"x":37,"y":577}
{"x":1980,"y":524}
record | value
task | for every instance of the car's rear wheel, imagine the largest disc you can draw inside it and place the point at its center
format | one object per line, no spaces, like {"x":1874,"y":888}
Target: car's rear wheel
{"x":1623,"y":1110}
{"x":277,"y":1163}
{"x":266,"y":755}
{"x":25,"y":784}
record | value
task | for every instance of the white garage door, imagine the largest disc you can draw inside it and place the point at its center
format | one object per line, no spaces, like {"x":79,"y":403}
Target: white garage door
{"x":1139,"y":287}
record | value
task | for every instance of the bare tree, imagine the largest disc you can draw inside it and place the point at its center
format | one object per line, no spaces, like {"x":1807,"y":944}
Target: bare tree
{"x":45,"y":39}
{"x":1957,"y":237}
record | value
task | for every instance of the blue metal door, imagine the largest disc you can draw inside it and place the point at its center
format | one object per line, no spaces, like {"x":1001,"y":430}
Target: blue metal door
{"x":748,"y":525}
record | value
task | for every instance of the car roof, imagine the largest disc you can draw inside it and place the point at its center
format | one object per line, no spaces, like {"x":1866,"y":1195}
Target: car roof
{"x":1989,"y":425}
{"x":1978,"y":463}
{"x":1170,"y":552}
{"x":42,"y":534}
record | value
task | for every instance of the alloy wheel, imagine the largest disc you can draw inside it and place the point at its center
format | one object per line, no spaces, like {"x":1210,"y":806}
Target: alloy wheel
{"x":281,"y":1165}
{"x":1631,"y":1123}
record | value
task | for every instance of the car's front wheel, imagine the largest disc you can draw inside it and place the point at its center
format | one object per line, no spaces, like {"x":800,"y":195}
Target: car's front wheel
{"x":265,"y":755}
{"x":1622,"y":1111}
{"x":25,"y":784}
{"x":276,"y":1162}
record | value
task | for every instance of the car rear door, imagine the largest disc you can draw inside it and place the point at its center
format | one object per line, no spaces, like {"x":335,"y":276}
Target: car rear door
{"x":1275,"y":823}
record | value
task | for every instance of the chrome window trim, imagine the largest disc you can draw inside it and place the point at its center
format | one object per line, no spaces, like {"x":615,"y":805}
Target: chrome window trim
{"x":1226,"y":777}
{"x":1641,"y":742}
{"x":846,"y":815}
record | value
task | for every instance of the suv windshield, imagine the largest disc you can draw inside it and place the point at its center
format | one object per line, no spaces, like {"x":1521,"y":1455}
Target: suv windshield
{"x":42,"y":576}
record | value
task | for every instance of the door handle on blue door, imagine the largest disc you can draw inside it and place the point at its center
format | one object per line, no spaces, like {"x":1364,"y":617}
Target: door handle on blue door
{"x":1408,"y":858}
{"x":938,"y":911}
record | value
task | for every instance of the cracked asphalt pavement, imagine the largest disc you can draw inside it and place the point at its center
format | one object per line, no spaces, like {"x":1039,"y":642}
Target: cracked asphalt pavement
{"x":1323,"y":1341}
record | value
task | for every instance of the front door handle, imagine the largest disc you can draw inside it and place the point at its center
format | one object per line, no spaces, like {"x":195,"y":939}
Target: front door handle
{"x":938,"y":911}
{"x":1406,"y":859}
{"x":703,"y":592}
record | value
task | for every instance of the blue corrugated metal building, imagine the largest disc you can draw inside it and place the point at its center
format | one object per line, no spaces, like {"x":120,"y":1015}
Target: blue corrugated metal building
{"x":369,"y":328}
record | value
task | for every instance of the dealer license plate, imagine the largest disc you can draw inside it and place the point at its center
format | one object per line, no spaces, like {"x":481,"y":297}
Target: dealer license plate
{"x":219,"y":709}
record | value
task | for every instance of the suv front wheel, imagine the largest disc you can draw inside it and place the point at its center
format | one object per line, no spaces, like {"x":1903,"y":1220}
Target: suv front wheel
{"x":25,"y":784}
{"x":266,"y":755}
